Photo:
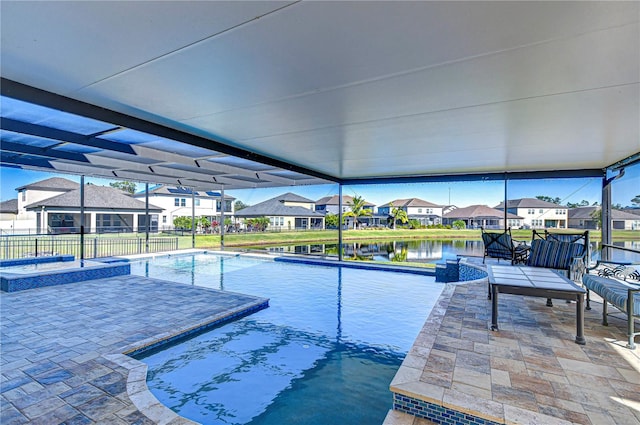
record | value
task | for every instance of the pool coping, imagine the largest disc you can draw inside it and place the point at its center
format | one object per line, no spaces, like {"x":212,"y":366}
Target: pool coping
{"x":137,"y":389}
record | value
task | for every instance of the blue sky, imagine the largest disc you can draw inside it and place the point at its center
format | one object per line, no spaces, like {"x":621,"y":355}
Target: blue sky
{"x":461,"y":193}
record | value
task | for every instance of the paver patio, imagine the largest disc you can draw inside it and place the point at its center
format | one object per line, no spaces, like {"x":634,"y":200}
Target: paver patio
{"x":62,"y":358}
{"x":61,"y":347}
{"x":531,"y":371}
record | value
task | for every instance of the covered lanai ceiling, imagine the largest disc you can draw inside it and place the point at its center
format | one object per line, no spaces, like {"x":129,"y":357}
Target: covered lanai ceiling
{"x":342,"y":91}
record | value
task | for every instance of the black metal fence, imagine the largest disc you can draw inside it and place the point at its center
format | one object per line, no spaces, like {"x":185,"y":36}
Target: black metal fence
{"x":94,"y":247}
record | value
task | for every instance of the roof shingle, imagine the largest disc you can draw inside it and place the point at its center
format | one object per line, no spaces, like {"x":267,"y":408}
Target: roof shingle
{"x":276,"y":207}
{"x":478,"y":211}
{"x":95,"y":197}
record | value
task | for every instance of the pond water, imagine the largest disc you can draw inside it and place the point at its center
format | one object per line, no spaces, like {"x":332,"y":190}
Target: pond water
{"x":421,"y":250}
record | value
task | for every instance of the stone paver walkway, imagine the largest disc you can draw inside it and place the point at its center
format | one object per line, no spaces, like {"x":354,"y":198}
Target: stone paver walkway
{"x":529,"y":372}
{"x":61,"y":347}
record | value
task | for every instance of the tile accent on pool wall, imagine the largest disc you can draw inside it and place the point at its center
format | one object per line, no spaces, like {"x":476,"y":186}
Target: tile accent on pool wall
{"x":13,"y":283}
{"x":435,"y":412}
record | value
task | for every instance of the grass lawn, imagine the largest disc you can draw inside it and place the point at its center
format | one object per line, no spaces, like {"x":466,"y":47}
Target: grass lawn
{"x":292,"y":238}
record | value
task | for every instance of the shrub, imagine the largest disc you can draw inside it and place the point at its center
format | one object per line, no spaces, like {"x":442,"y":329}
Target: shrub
{"x":459,"y":224}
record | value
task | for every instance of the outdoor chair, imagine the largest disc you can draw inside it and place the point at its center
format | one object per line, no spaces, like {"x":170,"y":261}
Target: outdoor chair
{"x":567,"y":253}
{"x":501,"y":245}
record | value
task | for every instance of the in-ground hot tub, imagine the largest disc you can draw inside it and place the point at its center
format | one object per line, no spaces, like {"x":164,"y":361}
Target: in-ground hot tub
{"x":36,"y":272}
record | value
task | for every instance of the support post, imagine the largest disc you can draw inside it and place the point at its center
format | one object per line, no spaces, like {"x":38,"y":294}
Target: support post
{"x":193,"y":218}
{"x":222,"y":204}
{"x":82,"y":217}
{"x":147,"y":218}
{"x":505,"y":201}
{"x":339,"y":221}
{"x":606,"y":216}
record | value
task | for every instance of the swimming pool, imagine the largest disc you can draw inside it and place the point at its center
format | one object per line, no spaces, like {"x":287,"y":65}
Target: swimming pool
{"x":324,"y":351}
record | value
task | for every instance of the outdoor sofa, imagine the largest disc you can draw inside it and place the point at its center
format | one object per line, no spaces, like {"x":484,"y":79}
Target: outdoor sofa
{"x":617,"y":284}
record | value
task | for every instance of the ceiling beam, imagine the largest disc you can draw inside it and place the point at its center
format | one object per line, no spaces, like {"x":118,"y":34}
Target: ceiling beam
{"x":64,"y":136}
{"x":30,"y":94}
{"x":20,"y":160}
{"x":524,"y":175}
{"x":45,"y":152}
{"x":201,"y":162}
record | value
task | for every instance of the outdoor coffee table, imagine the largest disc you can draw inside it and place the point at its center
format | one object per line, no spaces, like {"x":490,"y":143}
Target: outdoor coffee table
{"x":535,"y":282}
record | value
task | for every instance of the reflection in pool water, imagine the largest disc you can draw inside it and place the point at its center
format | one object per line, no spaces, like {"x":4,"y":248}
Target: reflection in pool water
{"x":324,"y":351}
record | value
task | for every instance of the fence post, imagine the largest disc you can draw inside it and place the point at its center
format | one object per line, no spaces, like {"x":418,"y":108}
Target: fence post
{"x":139,"y":246}
{"x":95,"y":247}
{"x":36,"y":247}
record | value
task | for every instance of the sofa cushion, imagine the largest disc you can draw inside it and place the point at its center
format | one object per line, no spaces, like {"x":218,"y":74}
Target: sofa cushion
{"x":612,"y":290}
{"x":554,"y":254}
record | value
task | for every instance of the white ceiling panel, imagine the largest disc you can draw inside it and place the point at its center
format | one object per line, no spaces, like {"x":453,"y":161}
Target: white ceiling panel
{"x":535,"y":71}
{"x":353,"y":89}
{"x":63,"y":46}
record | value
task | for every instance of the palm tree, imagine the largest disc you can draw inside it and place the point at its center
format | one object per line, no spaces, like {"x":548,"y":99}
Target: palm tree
{"x":398,"y":214}
{"x":358,"y":210}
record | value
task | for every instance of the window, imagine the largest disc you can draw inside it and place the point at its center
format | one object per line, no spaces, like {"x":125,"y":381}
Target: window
{"x":419,"y":210}
{"x":531,"y":211}
{"x":429,"y":211}
{"x":24,"y":195}
{"x":197,"y":201}
{"x":541,"y":211}
{"x":183,"y":202}
{"x":61,"y":220}
{"x":276,"y":221}
{"x":176,"y":202}
{"x":164,"y":218}
{"x":227,"y":206}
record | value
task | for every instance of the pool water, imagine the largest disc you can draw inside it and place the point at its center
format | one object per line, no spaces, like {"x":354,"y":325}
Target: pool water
{"x":324,"y":351}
